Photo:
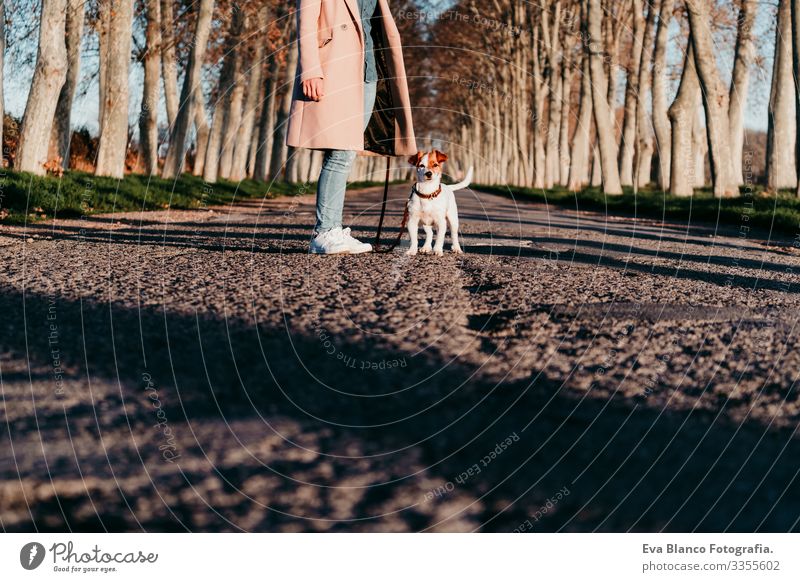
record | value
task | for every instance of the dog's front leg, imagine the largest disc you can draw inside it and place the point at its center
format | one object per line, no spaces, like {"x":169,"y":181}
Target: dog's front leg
{"x":452,"y":218}
{"x":428,"y":246}
{"x":413,"y":227}
{"x":441,"y":230}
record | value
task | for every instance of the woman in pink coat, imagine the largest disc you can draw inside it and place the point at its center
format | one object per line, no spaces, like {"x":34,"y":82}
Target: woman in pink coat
{"x":350,"y":96}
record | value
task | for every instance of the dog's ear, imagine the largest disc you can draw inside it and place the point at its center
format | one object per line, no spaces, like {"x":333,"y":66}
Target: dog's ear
{"x":414,"y":160}
{"x":440,"y":157}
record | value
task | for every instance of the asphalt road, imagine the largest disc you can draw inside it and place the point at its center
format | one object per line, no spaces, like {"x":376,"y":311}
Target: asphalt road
{"x":178,"y":370}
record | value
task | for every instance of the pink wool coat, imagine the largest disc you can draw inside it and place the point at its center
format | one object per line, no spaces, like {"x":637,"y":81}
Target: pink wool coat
{"x":331,"y":45}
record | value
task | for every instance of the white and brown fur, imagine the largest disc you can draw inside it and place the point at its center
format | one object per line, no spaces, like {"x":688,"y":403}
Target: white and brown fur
{"x":432,"y":212}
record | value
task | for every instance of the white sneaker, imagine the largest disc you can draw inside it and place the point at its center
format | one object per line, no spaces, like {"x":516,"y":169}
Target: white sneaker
{"x":338,"y":242}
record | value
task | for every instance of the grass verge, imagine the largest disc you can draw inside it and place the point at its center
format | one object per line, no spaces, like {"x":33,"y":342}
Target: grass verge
{"x":25,"y":197}
{"x":776,"y":212}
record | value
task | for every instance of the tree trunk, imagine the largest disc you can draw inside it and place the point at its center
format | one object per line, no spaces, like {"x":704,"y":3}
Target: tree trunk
{"x":3,"y":160}
{"x":551,"y":29}
{"x":169,"y":62}
{"x":229,"y":77}
{"x":257,"y":113}
{"x":715,"y":99}
{"x":62,"y":123}
{"x":202,"y":131}
{"x":539,"y":96}
{"x":602,"y":116}
{"x":244,"y":137}
{"x":113,"y":144}
{"x":279,"y":150}
{"x":781,"y":126}
{"x":579,"y":168}
{"x":628,"y":139}
{"x":682,"y":114}
{"x":596,"y":179}
{"x":563,"y":147}
{"x":661,"y":123}
{"x":700,"y":139}
{"x":173,"y":164}
{"x":48,"y":78}
{"x":740,"y":82}
{"x":266,"y":126}
{"x":148,"y":118}
{"x":644,"y":152}
{"x":233,"y":118}
{"x":103,"y":16}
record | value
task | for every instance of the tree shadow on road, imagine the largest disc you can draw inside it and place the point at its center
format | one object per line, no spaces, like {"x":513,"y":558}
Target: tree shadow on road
{"x":411,"y":446}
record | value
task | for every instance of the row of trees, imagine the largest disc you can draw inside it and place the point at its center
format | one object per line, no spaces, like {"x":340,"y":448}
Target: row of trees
{"x":576,"y":92}
{"x":227,"y":113}
{"x":558,"y":92}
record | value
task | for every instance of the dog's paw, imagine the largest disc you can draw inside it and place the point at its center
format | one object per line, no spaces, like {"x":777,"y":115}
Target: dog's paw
{"x":457,"y":250}
{"x":438,"y":252}
{"x":425,"y":250}
{"x":411,"y":252}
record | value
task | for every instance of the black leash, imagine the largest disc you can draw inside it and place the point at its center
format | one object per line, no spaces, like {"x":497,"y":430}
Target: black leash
{"x":378,"y":247}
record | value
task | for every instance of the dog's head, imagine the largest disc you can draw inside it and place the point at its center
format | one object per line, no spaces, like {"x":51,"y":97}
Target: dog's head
{"x":428,"y":165}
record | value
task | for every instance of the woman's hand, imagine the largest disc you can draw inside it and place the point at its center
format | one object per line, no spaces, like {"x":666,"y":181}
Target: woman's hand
{"x":314,"y":89}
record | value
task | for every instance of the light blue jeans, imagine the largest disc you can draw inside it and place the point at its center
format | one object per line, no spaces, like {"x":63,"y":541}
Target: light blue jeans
{"x":336,"y":166}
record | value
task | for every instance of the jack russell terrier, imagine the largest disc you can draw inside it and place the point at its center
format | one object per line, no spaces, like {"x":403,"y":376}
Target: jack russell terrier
{"x":433,"y":204}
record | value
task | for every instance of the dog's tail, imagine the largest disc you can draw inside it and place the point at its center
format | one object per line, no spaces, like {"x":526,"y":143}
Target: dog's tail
{"x":465,"y":183}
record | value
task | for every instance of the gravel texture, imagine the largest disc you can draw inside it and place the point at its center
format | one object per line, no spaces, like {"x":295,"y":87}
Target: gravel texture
{"x":197,"y":370}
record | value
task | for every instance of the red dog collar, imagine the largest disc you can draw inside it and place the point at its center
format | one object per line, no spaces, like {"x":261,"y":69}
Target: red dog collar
{"x":426,"y":196}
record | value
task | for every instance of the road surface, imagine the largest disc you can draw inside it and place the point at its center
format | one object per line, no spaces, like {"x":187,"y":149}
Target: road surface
{"x":198,"y":370}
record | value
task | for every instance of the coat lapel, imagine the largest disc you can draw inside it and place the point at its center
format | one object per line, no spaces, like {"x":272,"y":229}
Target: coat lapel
{"x":355,"y":13}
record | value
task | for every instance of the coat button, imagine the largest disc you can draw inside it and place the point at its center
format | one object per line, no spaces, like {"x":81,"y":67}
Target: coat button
{"x":344,"y":27}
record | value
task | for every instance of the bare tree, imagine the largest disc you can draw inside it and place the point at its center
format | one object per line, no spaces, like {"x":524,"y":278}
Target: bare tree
{"x":644,"y":129}
{"x":234,"y":110}
{"x":660,"y":119}
{"x":715,"y":99}
{"x":62,"y":123}
{"x":113,"y":143}
{"x":781,"y":126}
{"x":280,"y":155}
{"x":173,"y":164}
{"x":796,"y":69}
{"x":602,"y":114}
{"x":48,"y":78}
{"x":740,"y":82}
{"x":148,"y":118}
{"x":266,"y":125}
{"x":228,"y":80}
{"x":551,"y":37}
{"x":244,"y":137}
{"x":563,"y":140}
{"x":628,"y":139}
{"x":682,"y":114}
{"x":169,"y":60}
{"x":2,"y":76}
{"x":202,"y":131}
{"x":579,"y":168}
{"x":539,"y":97}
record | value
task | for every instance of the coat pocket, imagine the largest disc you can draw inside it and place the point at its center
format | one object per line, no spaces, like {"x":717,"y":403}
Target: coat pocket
{"x":324,"y":37}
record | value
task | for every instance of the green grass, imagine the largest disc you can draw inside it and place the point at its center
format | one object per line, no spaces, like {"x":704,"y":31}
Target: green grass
{"x":27,"y":198}
{"x":776,"y":212}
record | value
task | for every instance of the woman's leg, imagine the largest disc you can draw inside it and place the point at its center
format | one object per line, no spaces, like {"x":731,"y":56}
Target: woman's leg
{"x":336,"y":166}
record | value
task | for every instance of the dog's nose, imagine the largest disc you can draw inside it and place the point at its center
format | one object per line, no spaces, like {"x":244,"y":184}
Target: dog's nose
{"x":429,"y":174}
